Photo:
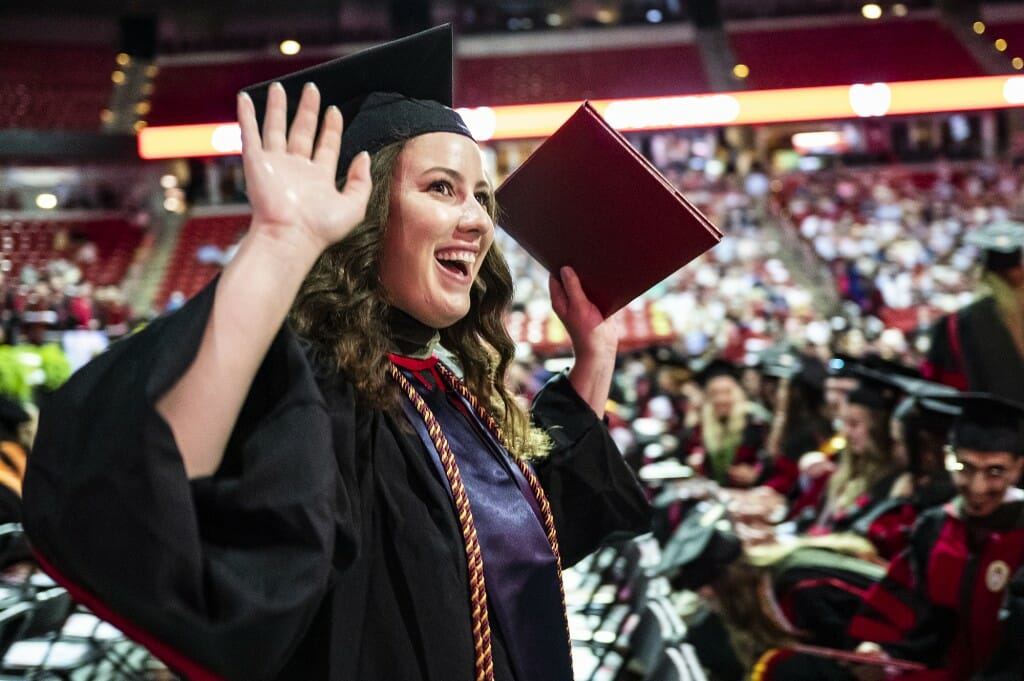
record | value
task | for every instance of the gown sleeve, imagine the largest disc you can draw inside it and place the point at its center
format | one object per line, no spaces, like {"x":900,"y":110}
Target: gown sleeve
{"x":219,"y":576}
{"x":593,"y":493}
{"x":897,"y":612}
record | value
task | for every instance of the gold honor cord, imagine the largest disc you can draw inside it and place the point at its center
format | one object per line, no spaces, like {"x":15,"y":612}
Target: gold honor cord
{"x":474,"y":559}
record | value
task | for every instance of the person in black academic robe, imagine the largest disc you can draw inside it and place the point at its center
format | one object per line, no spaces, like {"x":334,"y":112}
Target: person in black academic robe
{"x":767,"y":598}
{"x":219,"y":489}
{"x":981,"y":346}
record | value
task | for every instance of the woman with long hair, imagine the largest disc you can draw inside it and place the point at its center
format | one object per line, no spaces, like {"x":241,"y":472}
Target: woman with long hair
{"x":867,"y":469}
{"x":282,"y":480}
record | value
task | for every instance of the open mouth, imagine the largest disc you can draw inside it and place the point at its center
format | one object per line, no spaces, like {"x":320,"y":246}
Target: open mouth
{"x":458,"y":262}
{"x":454,"y":266}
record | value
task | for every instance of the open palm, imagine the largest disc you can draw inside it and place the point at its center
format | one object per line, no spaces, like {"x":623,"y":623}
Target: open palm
{"x":291,"y":184}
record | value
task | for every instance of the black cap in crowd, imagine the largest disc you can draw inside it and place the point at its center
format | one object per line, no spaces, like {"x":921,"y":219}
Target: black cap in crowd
{"x":386,"y":93}
{"x":715,"y":368}
{"x":924,"y":403}
{"x":882,"y":383}
{"x":1000,"y":244}
{"x":700,"y":548}
{"x":987,"y":423}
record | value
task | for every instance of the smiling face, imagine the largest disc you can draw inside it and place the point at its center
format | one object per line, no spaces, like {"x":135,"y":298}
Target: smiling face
{"x":439,"y":228}
{"x":983,"y":478}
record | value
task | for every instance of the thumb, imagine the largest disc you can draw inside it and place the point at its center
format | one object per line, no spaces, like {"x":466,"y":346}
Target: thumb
{"x":559,"y":300}
{"x":358,"y":181}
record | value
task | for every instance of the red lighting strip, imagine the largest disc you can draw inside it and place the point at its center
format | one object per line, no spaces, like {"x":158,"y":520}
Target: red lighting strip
{"x":527,"y":121}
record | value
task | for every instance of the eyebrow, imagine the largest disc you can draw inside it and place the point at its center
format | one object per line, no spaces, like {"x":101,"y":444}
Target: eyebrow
{"x":458,"y":177}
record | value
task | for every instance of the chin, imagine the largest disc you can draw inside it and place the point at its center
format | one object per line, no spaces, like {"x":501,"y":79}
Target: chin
{"x":442,"y":319}
{"x":979,"y":510}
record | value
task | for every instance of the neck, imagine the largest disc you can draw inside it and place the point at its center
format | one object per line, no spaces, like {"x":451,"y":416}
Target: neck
{"x":410,"y":337}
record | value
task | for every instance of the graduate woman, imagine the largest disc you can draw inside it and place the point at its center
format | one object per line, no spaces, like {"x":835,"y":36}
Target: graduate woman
{"x":281,"y":480}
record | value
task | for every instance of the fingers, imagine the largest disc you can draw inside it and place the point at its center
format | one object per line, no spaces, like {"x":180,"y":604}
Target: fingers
{"x":247,"y":123}
{"x":358,"y":183}
{"x":275,"y":120}
{"x":328,"y":146}
{"x":573,"y":287}
{"x":299,"y":139}
{"x":559,"y":300}
{"x":303,"y":130}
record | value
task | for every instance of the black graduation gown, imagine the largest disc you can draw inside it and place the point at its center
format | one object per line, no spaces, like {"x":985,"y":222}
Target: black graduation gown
{"x":325,"y":547}
{"x":974,"y":351}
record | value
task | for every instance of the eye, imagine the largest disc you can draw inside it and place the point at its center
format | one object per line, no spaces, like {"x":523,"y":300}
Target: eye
{"x":442,"y":187}
{"x":484,"y":199}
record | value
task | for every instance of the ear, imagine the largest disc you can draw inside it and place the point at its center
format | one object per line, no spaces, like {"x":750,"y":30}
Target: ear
{"x":1017,"y":469}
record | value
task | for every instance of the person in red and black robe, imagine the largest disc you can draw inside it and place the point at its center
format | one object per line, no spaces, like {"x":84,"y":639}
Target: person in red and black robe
{"x":921,"y":428}
{"x":940,"y":600}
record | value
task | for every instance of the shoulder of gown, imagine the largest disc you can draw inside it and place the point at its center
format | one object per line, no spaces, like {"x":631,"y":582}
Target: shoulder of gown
{"x":204,"y":571}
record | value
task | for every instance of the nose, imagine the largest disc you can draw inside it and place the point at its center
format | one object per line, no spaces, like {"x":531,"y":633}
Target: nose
{"x":976,"y":483}
{"x":474,"y":218}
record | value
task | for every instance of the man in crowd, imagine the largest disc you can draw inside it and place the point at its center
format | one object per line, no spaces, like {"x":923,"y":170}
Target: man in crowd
{"x":940,"y":600}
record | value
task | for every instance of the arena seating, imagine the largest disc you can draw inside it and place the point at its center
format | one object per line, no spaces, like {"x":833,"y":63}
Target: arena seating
{"x":48,"y":88}
{"x":851,"y":53}
{"x":185,"y":273}
{"x":36,"y":242}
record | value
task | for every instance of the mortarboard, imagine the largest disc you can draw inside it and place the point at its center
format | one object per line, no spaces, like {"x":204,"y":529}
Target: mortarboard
{"x":386,"y":93}
{"x":700,"y":548}
{"x":881,"y":382}
{"x":1000,"y":243}
{"x":586,"y":198}
{"x":715,"y":368}
{"x":987,"y":423}
{"x":781,"y":361}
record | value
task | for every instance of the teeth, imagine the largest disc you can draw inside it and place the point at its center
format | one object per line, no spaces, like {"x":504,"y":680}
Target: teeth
{"x":457,"y":256}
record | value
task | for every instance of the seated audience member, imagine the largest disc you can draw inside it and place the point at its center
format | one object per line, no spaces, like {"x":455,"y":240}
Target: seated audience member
{"x":766,"y":598}
{"x":727,"y":442}
{"x":866,"y":468}
{"x":921,"y":427}
{"x":800,"y":424}
{"x":940,"y":602}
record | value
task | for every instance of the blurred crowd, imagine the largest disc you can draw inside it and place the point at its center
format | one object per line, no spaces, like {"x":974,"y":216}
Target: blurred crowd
{"x":783,"y":427}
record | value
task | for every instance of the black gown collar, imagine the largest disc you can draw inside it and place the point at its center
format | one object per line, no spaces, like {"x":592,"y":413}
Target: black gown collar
{"x":410,"y":337}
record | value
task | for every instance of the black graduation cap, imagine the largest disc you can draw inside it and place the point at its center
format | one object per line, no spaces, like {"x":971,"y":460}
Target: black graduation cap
{"x":847,"y":365}
{"x":881,"y":383}
{"x":386,"y":93}
{"x":1000,"y":243}
{"x":700,"y":549}
{"x":987,"y":423}
{"x":715,"y":368}
{"x":666,"y":356}
{"x":923,"y":408}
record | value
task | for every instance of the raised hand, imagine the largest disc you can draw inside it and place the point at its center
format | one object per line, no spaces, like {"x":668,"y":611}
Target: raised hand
{"x":589,"y":330}
{"x":291,"y":184}
{"x":594,"y":338}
